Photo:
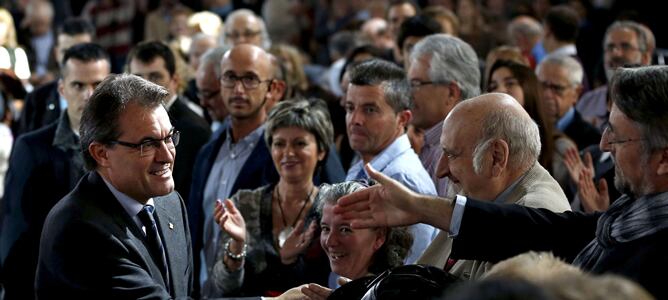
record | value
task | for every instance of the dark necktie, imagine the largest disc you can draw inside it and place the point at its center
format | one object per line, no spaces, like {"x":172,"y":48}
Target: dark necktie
{"x":154,"y":241}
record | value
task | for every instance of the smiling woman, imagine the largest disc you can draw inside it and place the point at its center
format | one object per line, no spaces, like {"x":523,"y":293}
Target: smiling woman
{"x":266,"y":246}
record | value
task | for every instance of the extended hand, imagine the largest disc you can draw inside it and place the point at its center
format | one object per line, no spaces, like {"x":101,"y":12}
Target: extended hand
{"x":593,"y":199}
{"x":576,"y":166}
{"x":315,"y":292}
{"x":230,"y":220}
{"x":297,"y":242}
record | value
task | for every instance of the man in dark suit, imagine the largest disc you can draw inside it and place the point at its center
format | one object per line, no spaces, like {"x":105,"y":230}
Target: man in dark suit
{"x":630,"y":238}
{"x":155,"y":62}
{"x":46,"y":165}
{"x":560,"y":77}
{"x":44,"y":105}
{"x":122,"y":233}
{"x":237,"y":156}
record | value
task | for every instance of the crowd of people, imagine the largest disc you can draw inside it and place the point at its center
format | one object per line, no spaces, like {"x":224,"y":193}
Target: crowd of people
{"x":384,"y":149}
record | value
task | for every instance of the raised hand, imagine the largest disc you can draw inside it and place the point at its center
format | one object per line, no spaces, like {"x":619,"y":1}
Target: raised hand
{"x":315,"y":292}
{"x":575,"y":165}
{"x":230,"y":220}
{"x":387,"y":204}
{"x":591,"y":197}
{"x":297,"y":242}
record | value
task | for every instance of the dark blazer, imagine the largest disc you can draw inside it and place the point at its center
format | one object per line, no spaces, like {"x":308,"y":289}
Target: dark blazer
{"x":92,"y":249}
{"x":582,"y":132}
{"x":40,"y":173}
{"x":195,"y":132}
{"x":257,"y":171}
{"x":495,"y":232}
{"x":42,"y":107}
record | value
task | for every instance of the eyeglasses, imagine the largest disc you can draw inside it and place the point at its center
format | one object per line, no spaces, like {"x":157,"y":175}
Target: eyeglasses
{"x":624,"y":47}
{"x":416,"y":83}
{"x":555,"y":88}
{"x":246,"y":34}
{"x":202,"y":95}
{"x":248,"y":81}
{"x":149,"y":146}
{"x":607,"y":132}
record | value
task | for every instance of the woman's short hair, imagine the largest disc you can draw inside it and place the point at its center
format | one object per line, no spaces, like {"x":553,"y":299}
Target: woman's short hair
{"x":308,"y":114}
{"x":398,"y":240}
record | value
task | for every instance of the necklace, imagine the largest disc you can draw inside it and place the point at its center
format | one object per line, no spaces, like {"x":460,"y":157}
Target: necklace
{"x":287,"y":230}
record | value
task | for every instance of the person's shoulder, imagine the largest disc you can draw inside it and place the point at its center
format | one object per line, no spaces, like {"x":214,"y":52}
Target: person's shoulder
{"x":40,"y":139}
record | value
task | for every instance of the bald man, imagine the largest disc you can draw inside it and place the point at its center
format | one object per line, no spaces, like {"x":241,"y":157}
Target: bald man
{"x":490,"y":149}
{"x":245,"y":27}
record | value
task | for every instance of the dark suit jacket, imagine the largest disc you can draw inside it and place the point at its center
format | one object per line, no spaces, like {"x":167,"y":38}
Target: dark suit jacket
{"x":41,"y":171}
{"x":42,"y":107}
{"x":495,"y":232}
{"x":581,"y":132}
{"x":257,"y":171}
{"x":92,"y":249}
{"x":195,"y":132}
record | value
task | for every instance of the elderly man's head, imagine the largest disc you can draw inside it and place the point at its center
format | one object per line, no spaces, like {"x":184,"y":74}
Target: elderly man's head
{"x":207,"y":79}
{"x":626,"y":43}
{"x":444,"y":71}
{"x":637,"y":135}
{"x":244,"y":27}
{"x":560,"y":77}
{"x":488,"y":142}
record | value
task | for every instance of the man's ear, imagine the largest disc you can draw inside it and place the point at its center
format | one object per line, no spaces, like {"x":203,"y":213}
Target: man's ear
{"x":381,"y":236}
{"x":663,"y":163}
{"x":404,"y":117}
{"x":500,"y":153}
{"x":455,"y":92}
{"x":61,"y":86}
{"x":99,"y":152}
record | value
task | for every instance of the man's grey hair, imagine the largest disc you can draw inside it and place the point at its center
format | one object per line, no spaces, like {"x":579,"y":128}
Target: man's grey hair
{"x":641,"y":35}
{"x":526,"y":26}
{"x":390,"y":77}
{"x":213,"y":57}
{"x":642,"y":95}
{"x":452,"y":60}
{"x":243,"y":12}
{"x":99,"y":121}
{"x":518,"y":130}
{"x":572,"y":66}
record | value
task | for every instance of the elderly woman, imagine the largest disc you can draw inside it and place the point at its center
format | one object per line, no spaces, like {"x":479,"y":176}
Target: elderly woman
{"x":353,"y":253}
{"x":266,"y":233}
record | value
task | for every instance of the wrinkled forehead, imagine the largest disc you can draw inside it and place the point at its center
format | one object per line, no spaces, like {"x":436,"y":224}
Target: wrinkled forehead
{"x":244,"y":23}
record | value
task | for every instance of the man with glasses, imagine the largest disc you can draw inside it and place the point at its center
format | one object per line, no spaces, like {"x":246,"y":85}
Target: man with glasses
{"x":155,"y":62}
{"x":45,"y":165}
{"x":560,"y":77}
{"x":626,"y":43}
{"x":122,"y":233}
{"x":244,"y":27}
{"x":629,"y":239}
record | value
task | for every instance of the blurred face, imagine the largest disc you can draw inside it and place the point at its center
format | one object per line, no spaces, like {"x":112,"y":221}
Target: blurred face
{"x":622,"y":48}
{"x":350,"y":251}
{"x":431,"y":101}
{"x":156,"y":72}
{"x":295,"y":153}
{"x":406,"y":48}
{"x":197,"y":49}
{"x":66,"y":41}
{"x":78,"y":83}
{"x":245,"y":102}
{"x":503,"y":81}
{"x":397,"y":14}
{"x":140,"y":177}
{"x":634,"y":168}
{"x":458,"y":140}
{"x":244,"y":30}
{"x":371,"y":122}
{"x":559,"y":93}
{"x":208,"y":92}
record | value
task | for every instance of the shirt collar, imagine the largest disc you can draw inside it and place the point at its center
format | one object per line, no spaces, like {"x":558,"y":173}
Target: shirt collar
{"x":501,"y":198}
{"x":65,"y":138}
{"x":566,"y":119}
{"x":384,"y":158}
{"x":171,"y":101}
{"x":131,"y":206}
{"x":566,"y":50}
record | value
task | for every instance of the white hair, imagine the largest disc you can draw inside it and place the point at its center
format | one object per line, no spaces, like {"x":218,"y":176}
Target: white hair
{"x":572,"y":66}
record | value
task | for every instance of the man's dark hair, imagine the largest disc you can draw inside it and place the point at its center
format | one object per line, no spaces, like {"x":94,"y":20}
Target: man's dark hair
{"x":563,"y":22}
{"x":392,"y":78}
{"x":86,"y":52}
{"x":146,"y":52}
{"x":642,"y":95}
{"x":99,"y":121}
{"x":76,"y":26}
{"x":418,"y":26}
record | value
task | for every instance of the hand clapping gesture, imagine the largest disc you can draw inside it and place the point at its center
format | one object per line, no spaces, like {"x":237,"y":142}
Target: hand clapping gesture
{"x":230,"y":220}
{"x":297,"y":242}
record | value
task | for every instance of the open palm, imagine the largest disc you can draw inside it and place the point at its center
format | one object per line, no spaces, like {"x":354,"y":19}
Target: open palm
{"x":230,"y":220}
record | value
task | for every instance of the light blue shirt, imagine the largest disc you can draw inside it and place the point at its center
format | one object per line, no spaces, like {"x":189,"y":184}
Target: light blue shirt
{"x":131,"y":206}
{"x":566,"y":119}
{"x":229,"y":161}
{"x":400,"y":162}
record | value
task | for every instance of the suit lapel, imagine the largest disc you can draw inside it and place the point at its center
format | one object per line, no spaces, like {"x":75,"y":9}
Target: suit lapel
{"x":170,"y":231}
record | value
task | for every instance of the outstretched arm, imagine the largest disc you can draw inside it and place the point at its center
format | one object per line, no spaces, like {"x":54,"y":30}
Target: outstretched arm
{"x":392,"y":204}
